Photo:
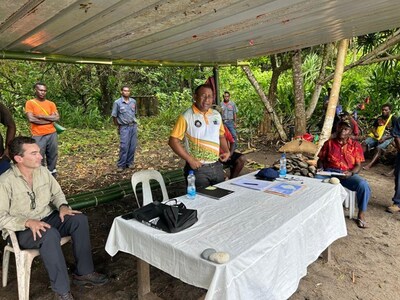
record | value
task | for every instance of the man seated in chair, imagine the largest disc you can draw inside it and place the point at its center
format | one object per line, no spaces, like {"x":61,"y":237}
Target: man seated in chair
{"x":236,"y":160}
{"x":344,"y":155}
{"x":33,"y":205}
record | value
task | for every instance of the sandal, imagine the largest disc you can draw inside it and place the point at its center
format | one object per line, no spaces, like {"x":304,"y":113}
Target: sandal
{"x":361,"y":224}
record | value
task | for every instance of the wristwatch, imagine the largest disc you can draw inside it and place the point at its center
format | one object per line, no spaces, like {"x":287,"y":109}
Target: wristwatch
{"x":64,"y":204}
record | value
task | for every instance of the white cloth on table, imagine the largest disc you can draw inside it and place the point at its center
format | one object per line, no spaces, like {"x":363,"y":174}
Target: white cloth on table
{"x":271,"y":240}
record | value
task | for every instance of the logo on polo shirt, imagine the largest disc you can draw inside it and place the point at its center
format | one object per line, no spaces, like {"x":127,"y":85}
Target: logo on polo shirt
{"x":197,"y":123}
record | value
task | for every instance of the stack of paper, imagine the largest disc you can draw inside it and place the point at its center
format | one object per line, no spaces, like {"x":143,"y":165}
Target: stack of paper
{"x":328,"y":173}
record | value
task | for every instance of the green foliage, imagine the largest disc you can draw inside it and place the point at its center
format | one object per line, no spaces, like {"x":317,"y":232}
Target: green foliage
{"x":383,"y":88}
{"x":74,"y":141}
{"x":77,"y":117}
{"x":172,"y":105}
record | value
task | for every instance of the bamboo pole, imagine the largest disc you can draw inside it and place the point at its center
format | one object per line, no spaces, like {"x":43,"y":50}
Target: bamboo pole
{"x":118,"y":191}
{"x":334,"y":95}
{"x":57,"y":58}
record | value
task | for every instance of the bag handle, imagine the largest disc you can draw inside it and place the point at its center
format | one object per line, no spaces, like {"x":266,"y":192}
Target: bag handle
{"x":40,"y":107}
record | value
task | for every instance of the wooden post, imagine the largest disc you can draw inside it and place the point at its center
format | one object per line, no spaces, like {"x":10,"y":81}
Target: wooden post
{"x":327,"y":254}
{"x":216,"y":81}
{"x":334,"y":95}
{"x":143,"y":271}
{"x":143,"y":275}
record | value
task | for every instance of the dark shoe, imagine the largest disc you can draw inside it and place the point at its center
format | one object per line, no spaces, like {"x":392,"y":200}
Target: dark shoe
{"x":66,"y":296}
{"x":92,"y":279}
{"x":131,"y":167}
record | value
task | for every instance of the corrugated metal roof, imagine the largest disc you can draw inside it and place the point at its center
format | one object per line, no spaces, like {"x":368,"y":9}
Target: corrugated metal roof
{"x":181,"y":31}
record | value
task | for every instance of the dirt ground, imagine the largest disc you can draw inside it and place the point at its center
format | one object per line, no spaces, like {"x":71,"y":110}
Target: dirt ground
{"x":364,"y":265}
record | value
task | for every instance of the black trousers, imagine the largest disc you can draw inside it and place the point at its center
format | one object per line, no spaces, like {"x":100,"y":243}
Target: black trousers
{"x":77,"y":227}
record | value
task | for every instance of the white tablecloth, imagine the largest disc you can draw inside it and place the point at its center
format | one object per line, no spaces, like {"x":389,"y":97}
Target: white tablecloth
{"x":271,"y":240}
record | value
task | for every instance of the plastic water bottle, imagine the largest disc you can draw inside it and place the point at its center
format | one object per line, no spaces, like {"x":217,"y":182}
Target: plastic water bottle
{"x":282,"y":166}
{"x":191,"y":188}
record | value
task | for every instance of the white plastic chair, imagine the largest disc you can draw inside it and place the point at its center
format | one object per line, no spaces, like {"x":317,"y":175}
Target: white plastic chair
{"x":144,"y":177}
{"x":350,"y":202}
{"x":23,"y":262}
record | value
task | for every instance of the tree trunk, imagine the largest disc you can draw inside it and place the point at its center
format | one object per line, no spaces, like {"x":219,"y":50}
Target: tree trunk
{"x":106,"y":102}
{"x":299,"y":104}
{"x":326,"y":55}
{"x":334,"y":95}
{"x":267,"y":104}
{"x":284,"y":64}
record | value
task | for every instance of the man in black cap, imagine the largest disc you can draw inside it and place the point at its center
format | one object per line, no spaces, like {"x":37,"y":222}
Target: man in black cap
{"x":344,"y":155}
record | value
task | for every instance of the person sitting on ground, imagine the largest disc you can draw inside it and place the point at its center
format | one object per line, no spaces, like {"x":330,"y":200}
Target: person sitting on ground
{"x":236,"y":160}
{"x":28,"y":195}
{"x":344,"y":155}
{"x":380,"y":136}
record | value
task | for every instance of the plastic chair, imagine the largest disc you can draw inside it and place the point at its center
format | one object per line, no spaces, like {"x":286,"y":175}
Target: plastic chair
{"x":23,"y":262}
{"x":350,"y":202}
{"x":144,"y":177}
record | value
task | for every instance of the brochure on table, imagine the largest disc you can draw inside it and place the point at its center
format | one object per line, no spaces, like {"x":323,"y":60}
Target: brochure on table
{"x":283,"y":188}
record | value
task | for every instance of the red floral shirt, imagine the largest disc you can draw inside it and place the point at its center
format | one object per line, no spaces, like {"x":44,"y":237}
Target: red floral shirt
{"x":341,"y":156}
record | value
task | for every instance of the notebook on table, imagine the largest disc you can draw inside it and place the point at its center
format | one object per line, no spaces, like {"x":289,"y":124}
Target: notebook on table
{"x":214,"y":192}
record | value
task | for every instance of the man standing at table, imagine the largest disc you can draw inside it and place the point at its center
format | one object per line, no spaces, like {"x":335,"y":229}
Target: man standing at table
{"x":124,"y":117}
{"x":202,"y":130}
{"x":41,"y":113}
{"x":344,"y":155}
{"x":33,"y":205}
{"x":229,"y":111}
{"x":7,"y":120}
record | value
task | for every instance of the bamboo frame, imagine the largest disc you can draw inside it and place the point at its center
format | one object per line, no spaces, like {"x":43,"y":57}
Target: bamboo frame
{"x":58,"y":58}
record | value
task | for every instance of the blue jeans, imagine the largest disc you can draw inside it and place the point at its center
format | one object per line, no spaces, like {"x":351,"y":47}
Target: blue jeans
{"x":231,"y":126}
{"x":396,"y":197}
{"x":127,"y":146}
{"x":356,"y":184}
{"x":373,"y":143}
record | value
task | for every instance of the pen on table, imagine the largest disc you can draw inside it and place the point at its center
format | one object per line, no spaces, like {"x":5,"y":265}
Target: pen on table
{"x":249,"y":183}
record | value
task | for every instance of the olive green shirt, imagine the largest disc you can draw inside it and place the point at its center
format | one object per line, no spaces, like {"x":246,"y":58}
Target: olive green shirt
{"x":15,"y":198}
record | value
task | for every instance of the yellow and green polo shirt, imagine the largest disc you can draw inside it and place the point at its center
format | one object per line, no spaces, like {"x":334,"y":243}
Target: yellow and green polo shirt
{"x":200,"y":133}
